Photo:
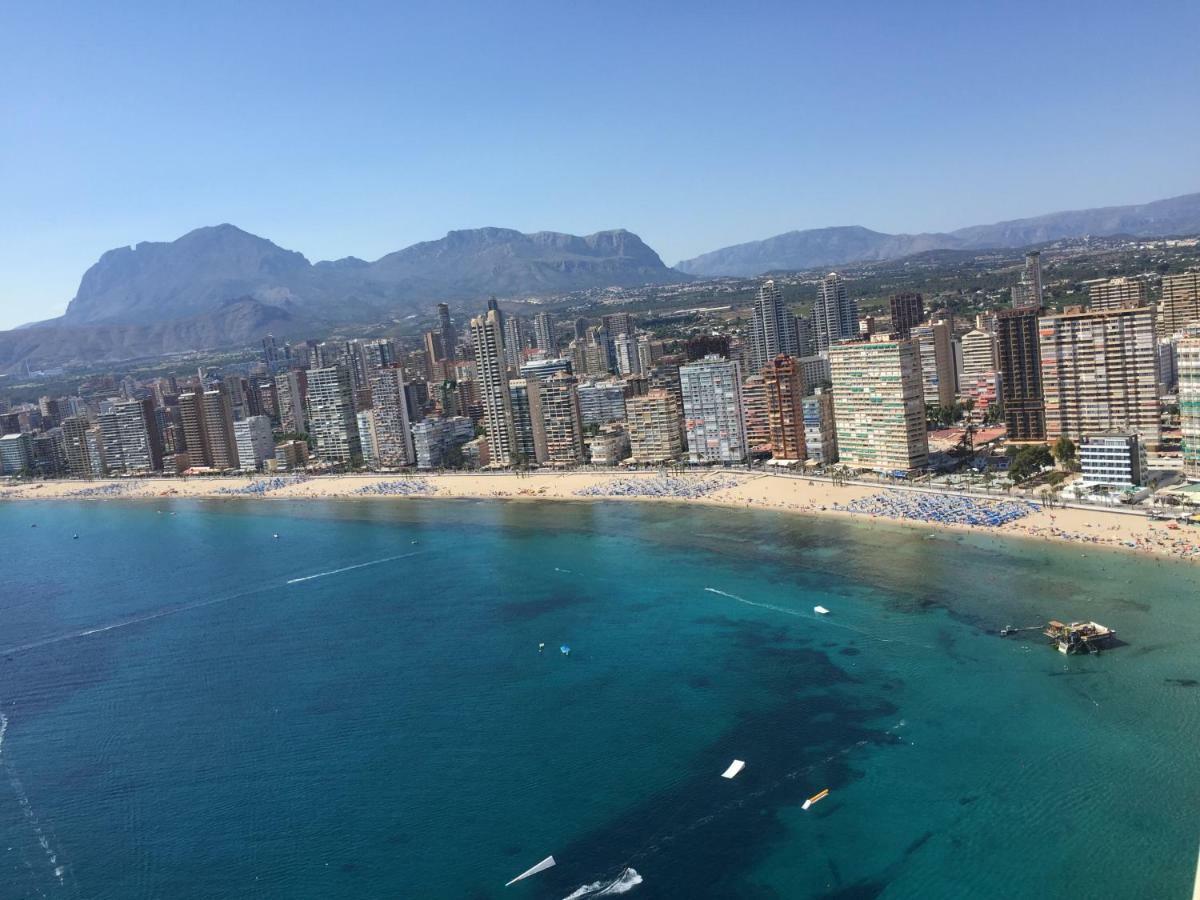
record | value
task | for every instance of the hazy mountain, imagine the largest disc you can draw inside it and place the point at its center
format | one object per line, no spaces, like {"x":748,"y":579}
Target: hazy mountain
{"x":220,"y":286}
{"x":155,"y":282}
{"x":1177,"y":215}
{"x":233,"y":323}
{"x":808,"y":249}
{"x":821,"y":247}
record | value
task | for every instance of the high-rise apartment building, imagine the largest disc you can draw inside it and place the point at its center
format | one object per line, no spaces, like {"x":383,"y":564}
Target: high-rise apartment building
{"x":654,"y":432}
{"x":1027,"y":293}
{"x":208,"y":429}
{"x":16,"y":453}
{"x":446,"y":329}
{"x":1020,"y":365}
{"x":625,"y":349}
{"x":879,"y":405}
{"x":291,"y":393}
{"x":617,"y":323}
{"x":712,"y":411}
{"x":393,"y":433}
{"x":75,"y":429}
{"x":561,"y":423}
{"x":333,"y":423}
{"x":488,"y":340}
{"x":978,"y":354}
{"x":754,"y":409}
{"x":835,"y":315}
{"x":1180,"y":303}
{"x":783,"y":385}
{"x":1100,"y":373}
{"x":218,"y":429}
{"x":937,"y":362}
{"x":255,"y":443}
{"x":529,"y":437}
{"x":1116,"y":293}
{"x":601,"y":402}
{"x":772,"y":328}
{"x":820,"y":427}
{"x":132,"y":442}
{"x":543,"y":332}
{"x":1187,"y":367}
{"x":517,"y":339}
{"x":908,"y":311}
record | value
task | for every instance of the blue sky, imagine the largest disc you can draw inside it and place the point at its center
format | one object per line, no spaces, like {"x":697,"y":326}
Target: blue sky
{"x":359,"y":128}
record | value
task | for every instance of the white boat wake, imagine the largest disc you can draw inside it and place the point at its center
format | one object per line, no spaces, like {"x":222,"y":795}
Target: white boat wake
{"x":374,"y":562}
{"x":625,"y":882}
{"x":824,"y":620}
{"x":43,"y":839}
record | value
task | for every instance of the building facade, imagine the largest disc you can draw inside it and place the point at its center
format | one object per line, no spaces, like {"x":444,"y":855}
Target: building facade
{"x":1115,"y":460}
{"x":1180,"y":303}
{"x":772,"y":328}
{"x":820,"y":427}
{"x":333,"y":423}
{"x":835,"y":315}
{"x":783,"y":385}
{"x":937,"y":362}
{"x":908,"y":311}
{"x":1100,"y":373}
{"x":488,"y":339}
{"x":1020,"y":365}
{"x":1116,"y":293}
{"x":654,"y":427}
{"x":255,"y":443}
{"x":393,"y":432}
{"x":712,"y":411}
{"x":879,"y":405}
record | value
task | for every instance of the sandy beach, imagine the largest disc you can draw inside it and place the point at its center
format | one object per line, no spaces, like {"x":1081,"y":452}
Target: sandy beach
{"x":745,"y":490}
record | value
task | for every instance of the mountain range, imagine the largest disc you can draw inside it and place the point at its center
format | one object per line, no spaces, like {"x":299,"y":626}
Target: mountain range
{"x":854,"y":244}
{"x":219,"y":286}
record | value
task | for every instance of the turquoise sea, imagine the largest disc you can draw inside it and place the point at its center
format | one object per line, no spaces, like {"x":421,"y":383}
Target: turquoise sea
{"x":193,"y":708}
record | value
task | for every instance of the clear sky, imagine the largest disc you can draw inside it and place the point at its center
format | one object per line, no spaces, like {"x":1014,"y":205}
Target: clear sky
{"x":359,"y":128}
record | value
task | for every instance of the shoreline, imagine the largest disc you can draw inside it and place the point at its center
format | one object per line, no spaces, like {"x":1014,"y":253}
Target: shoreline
{"x":737,"y":490}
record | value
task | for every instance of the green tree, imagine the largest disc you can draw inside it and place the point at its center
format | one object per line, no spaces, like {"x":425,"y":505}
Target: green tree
{"x":1064,"y":452}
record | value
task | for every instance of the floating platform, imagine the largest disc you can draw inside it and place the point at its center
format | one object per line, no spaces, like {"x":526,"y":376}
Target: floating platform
{"x":1079,"y":637}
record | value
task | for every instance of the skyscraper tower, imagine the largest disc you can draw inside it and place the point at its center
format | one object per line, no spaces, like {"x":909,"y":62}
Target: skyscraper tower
{"x":784,"y":387}
{"x":712,"y":410}
{"x":1028,"y":291}
{"x":448,"y":332}
{"x":487,"y":338}
{"x":1020,"y":364}
{"x":393,"y":436}
{"x":908,"y":311}
{"x":879,"y":405}
{"x":543,"y":332}
{"x":331,"y":416}
{"x":515,"y":332}
{"x":835,"y":315}
{"x":772,"y":328}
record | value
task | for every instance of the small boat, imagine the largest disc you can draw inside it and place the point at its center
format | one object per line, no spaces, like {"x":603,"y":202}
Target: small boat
{"x":734,"y":767}
{"x":820,"y":610}
{"x":565,"y":650}
{"x":276,"y":536}
{"x":540,"y":867}
{"x":815,"y":798}
{"x":541,"y":646}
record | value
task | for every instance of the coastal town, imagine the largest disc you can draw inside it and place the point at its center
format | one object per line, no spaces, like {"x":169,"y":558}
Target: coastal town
{"x":1080,"y":423}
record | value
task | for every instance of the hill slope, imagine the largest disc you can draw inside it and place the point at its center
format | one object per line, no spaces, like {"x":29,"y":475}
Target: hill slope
{"x":819,"y":247}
